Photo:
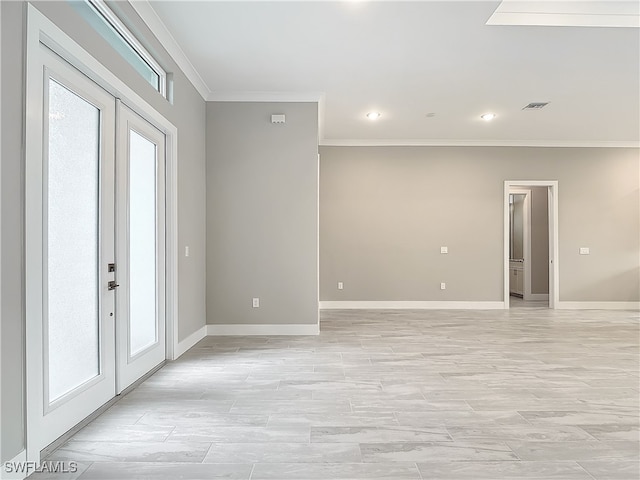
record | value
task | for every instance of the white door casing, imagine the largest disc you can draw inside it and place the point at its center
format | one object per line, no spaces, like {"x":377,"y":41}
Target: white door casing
{"x":552,"y":188}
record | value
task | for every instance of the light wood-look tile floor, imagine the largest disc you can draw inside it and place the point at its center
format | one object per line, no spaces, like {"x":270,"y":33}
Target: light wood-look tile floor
{"x":520,"y":394}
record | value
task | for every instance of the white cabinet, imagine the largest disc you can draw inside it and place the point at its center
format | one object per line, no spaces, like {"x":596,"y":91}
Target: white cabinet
{"x":516,"y":279}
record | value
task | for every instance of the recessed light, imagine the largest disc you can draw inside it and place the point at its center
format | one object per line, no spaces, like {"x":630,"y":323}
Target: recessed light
{"x":487,"y":117}
{"x":373,"y":115}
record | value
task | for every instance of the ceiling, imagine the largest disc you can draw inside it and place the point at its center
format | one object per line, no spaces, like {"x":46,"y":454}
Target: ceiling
{"x":429,"y":68}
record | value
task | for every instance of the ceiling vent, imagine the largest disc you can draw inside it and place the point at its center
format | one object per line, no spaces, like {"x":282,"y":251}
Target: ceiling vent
{"x":535,"y":106}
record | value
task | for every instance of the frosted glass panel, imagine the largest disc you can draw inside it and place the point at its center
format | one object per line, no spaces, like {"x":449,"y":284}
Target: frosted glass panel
{"x":142,"y":243}
{"x":72,"y":241}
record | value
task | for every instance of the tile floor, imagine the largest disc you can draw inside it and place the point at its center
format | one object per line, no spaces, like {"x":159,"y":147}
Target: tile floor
{"x":520,"y":394}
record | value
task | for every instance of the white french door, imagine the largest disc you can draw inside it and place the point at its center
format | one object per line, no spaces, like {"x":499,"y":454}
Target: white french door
{"x":95,"y":263}
{"x":140,"y":247}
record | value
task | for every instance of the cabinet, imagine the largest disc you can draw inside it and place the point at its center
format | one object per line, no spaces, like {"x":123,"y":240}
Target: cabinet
{"x":516,"y":279}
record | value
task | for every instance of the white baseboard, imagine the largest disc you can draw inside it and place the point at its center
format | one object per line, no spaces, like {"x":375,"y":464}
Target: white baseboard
{"x":598,"y":305}
{"x":280,"y":329}
{"x":190,"y":341}
{"x":534,"y":297}
{"x":20,"y":458}
{"x":409,"y":305}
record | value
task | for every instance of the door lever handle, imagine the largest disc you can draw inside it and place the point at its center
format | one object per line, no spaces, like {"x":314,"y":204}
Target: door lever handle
{"x":112,"y":285}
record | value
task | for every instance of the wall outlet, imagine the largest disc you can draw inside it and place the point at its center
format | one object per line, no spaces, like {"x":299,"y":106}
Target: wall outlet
{"x":443,"y":286}
{"x":444,"y":249}
{"x":584,"y":251}
{"x":340,"y":285}
{"x":256,"y":302}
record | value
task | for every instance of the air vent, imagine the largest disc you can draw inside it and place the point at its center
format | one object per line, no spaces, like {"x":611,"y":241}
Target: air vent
{"x":535,"y":106}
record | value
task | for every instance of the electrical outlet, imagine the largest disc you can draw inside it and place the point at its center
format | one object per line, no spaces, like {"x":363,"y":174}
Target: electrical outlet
{"x":444,"y":249}
{"x":256,"y":303}
{"x":584,"y":251}
{"x":340,"y":285}
{"x":443,"y":286}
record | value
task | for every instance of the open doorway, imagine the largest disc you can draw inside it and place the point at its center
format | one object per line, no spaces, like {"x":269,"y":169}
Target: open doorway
{"x":530,"y":244}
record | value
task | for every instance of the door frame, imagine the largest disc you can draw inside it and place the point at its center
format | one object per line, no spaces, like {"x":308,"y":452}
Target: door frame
{"x":552,"y":188}
{"x":42,"y":31}
{"x":526,"y":238}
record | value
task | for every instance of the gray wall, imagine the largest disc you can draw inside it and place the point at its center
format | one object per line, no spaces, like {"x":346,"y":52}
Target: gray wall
{"x":539,"y":240}
{"x":385,"y":212}
{"x":262,"y":213}
{"x":187,"y":113}
{"x":12,"y":375}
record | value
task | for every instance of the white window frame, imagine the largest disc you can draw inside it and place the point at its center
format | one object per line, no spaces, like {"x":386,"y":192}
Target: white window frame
{"x":108,"y":15}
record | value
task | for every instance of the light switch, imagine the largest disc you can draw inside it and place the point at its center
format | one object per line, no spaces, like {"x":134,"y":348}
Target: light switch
{"x":584,"y":251}
{"x":340,"y":285}
{"x":444,"y":249}
{"x":186,"y":251}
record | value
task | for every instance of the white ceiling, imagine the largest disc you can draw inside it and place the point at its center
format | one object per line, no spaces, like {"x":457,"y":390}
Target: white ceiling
{"x":408,"y":59}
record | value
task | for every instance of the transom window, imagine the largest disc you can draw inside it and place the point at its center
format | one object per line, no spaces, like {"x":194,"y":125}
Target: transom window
{"x":107,"y":24}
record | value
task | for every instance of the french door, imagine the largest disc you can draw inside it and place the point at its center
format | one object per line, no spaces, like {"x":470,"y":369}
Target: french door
{"x":140,"y":247}
{"x":94,"y":252}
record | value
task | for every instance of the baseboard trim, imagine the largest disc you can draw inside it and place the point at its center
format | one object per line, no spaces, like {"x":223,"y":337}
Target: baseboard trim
{"x":190,"y":341}
{"x":409,"y":305}
{"x":252,"y":329}
{"x":534,"y":297}
{"x":20,"y":458}
{"x":598,"y":305}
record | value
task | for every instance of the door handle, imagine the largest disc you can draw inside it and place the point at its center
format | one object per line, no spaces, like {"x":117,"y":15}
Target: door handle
{"x":112,"y":285}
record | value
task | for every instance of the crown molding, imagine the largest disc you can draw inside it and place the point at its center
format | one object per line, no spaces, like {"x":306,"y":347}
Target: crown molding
{"x":618,"y":14}
{"x":425,"y":142}
{"x":219,"y":96}
{"x":149,"y":16}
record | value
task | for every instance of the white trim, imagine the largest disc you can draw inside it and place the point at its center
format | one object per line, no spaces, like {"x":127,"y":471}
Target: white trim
{"x":19,"y":458}
{"x":1,"y":292}
{"x":321,"y":116}
{"x":409,"y":305}
{"x":538,"y":297}
{"x":190,"y":341}
{"x":171,"y":246}
{"x":294,"y":97}
{"x":317,"y":299}
{"x":253,"y":329}
{"x":598,"y":305}
{"x":160,"y":30}
{"x":426,"y":142}
{"x":566,"y":14}
{"x":563,"y":20}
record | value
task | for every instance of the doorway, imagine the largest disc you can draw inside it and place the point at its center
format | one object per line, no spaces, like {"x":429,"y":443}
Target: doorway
{"x":530,"y":243}
{"x":95,"y":249}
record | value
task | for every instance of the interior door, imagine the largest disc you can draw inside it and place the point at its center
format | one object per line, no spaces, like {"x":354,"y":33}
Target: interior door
{"x":551,"y":192}
{"x":69,"y":246}
{"x":140,"y":247}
